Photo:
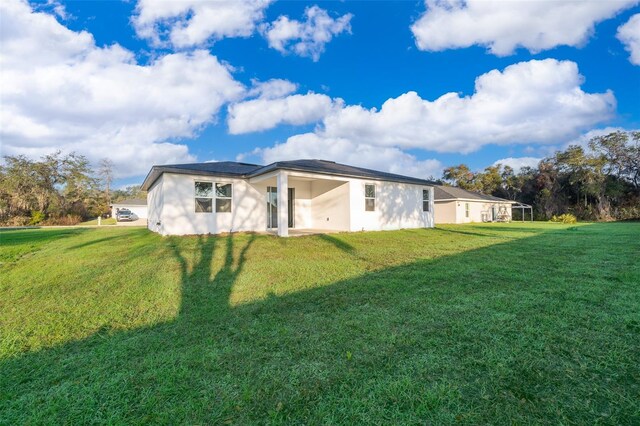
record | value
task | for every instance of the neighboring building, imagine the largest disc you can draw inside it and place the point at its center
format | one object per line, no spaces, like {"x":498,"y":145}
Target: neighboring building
{"x":456,"y":205}
{"x":312,"y":195}
{"x":137,"y":206}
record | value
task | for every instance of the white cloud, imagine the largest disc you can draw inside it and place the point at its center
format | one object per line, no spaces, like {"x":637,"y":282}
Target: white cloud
{"x":56,"y":7}
{"x":528,"y":102}
{"x":518,"y":163}
{"x":310,"y":145}
{"x":187,"y":23}
{"x":629,"y":35}
{"x":306,"y":38}
{"x":61,"y":91}
{"x":262,"y":114}
{"x":503,"y":26}
{"x":535,"y":102}
{"x":271,"y":89}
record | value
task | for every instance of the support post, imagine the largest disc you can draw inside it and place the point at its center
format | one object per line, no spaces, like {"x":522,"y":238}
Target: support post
{"x":283,"y":204}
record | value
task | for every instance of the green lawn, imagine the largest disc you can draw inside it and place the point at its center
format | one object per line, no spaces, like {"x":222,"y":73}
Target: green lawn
{"x":497,"y":323}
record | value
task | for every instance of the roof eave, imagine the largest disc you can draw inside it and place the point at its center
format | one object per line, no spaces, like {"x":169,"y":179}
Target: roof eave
{"x":160,"y":170}
{"x":274,"y":166}
{"x":484,"y":200}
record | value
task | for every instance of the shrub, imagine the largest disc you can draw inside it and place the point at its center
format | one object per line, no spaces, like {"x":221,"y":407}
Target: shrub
{"x":627,"y":213}
{"x":68,"y":220}
{"x":564,"y":218}
{"x":37,"y":216}
{"x":16,"y":221}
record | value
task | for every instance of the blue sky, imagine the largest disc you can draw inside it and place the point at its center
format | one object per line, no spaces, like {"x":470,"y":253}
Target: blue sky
{"x":246,"y":93}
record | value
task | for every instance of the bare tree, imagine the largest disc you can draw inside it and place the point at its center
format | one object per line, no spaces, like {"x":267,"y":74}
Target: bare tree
{"x":105,"y":172}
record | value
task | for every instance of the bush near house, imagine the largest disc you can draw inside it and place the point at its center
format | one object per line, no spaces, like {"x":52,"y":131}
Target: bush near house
{"x":564,"y":218}
{"x":474,"y":324}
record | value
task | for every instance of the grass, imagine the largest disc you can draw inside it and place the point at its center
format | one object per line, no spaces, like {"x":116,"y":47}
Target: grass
{"x":474,"y":324}
{"x":107,"y":221}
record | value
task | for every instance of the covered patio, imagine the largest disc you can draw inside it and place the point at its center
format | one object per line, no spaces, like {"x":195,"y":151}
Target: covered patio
{"x":298,"y":203}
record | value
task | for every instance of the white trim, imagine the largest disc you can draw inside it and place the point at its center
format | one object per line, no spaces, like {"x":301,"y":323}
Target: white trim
{"x":442,"y":200}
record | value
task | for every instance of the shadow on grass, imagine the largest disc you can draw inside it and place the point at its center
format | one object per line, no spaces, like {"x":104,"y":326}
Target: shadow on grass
{"x":10,"y":237}
{"x":337,"y":242}
{"x":486,"y":336}
{"x":95,"y":241}
{"x":458,"y":231}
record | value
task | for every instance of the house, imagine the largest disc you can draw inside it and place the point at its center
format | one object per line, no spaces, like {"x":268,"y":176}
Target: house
{"x":298,"y":196}
{"x":457,"y":205}
{"x":137,"y":206}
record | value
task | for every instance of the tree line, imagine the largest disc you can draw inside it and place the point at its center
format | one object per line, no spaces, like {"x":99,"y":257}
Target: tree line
{"x":601,"y":182}
{"x":57,"y":190}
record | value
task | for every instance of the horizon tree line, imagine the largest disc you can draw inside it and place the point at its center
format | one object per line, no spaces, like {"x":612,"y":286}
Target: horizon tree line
{"x":599,"y":182}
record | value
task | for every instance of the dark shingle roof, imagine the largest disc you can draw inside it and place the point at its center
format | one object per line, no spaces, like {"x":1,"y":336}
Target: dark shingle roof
{"x":130,"y":202}
{"x":244,"y":170}
{"x":452,"y":192}
{"x":219,"y":168}
{"x":333,"y":168}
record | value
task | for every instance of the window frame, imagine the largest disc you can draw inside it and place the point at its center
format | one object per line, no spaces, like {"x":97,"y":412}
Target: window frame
{"x":366,"y":199}
{"x":197,"y":197}
{"x":467,"y":210}
{"x":229,"y":198}
{"x":426,"y":200}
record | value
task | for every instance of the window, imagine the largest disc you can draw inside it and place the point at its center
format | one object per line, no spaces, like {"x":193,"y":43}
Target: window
{"x":466,"y":209}
{"x":425,"y":200}
{"x":369,"y":197}
{"x":223,"y":197}
{"x":204,"y":197}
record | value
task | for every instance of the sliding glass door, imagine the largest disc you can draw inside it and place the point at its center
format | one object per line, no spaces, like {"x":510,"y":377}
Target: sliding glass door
{"x":291,"y":212}
{"x":272,"y":207}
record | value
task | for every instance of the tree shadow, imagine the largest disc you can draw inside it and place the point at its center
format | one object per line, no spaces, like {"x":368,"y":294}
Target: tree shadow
{"x":95,"y":241}
{"x":9,"y":237}
{"x":458,"y":231}
{"x":439,"y":340}
{"x":337,"y":242}
{"x":203,"y":296}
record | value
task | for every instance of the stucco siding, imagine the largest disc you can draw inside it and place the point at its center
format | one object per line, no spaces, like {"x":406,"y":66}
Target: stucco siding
{"x":445,"y":212}
{"x":302,"y":203}
{"x":321,"y":202}
{"x":479,"y":211}
{"x":397,"y":206}
{"x":155,"y":203}
{"x":330,"y":205}
{"x":248,"y":211}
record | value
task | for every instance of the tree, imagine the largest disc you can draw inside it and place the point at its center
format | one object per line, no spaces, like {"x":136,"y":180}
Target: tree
{"x":490,"y":181}
{"x":620,"y":151}
{"x":105,"y":173}
{"x":460,"y":176}
{"x":511,"y":184}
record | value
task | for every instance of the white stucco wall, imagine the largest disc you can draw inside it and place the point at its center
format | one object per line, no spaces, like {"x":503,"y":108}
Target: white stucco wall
{"x":454,"y":211}
{"x":325,"y":203}
{"x":155,"y":203}
{"x":248,"y":210}
{"x":398,"y":205}
{"x":302,"y":202}
{"x":445,"y":212}
{"x":330,"y":205}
